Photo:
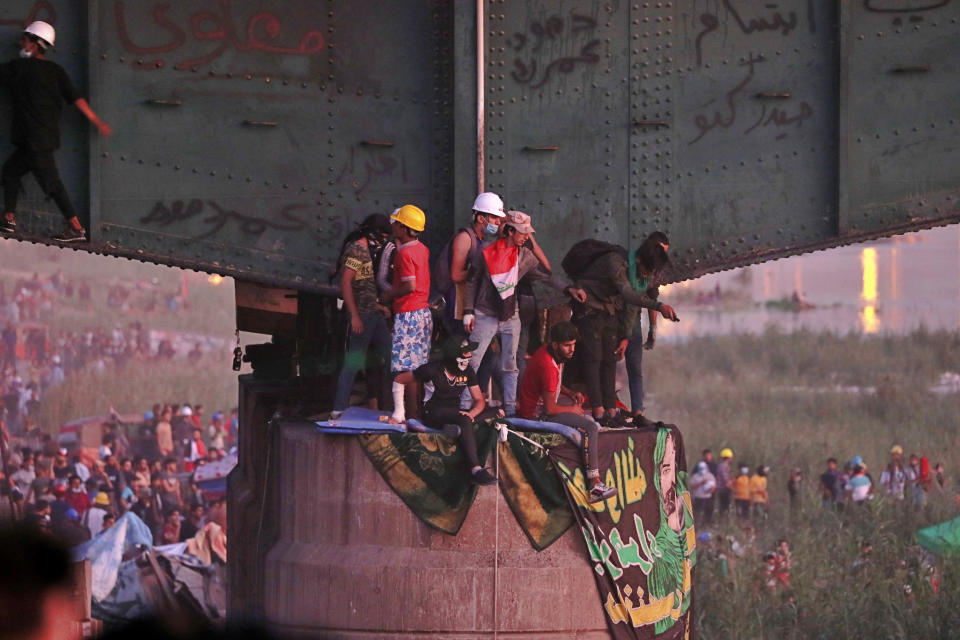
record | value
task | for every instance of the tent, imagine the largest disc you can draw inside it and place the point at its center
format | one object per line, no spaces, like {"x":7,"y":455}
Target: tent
{"x":943,"y":539}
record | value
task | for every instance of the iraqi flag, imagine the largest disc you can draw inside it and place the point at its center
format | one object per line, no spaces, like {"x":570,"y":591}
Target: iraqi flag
{"x":504,"y":267}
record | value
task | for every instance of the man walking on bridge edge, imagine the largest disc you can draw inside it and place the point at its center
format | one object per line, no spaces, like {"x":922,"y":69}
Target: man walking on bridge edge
{"x":38,"y":88}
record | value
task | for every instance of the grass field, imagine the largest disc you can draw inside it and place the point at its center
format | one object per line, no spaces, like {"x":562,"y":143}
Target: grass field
{"x":790,"y":400}
{"x":136,"y":386}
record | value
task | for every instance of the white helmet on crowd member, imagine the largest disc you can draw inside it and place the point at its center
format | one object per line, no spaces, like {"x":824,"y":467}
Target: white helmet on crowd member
{"x":43,"y":31}
{"x":489,"y":203}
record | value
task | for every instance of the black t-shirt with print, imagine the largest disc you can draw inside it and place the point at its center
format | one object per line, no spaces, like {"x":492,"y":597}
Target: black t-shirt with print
{"x":446,"y":391}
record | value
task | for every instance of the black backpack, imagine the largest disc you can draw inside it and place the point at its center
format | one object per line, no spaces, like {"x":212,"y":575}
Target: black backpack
{"x":584,"y":253}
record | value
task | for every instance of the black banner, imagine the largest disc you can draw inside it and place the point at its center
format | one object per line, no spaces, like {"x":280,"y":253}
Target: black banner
{"x":641,"y":542}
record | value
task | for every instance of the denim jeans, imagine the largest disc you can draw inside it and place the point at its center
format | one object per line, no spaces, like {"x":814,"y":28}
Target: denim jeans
{"x":634,"y":360}
{"x":485,"y":329}
{"x":375,"y":332}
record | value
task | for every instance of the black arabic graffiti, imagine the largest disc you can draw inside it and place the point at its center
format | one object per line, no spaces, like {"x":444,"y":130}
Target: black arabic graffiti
{"x":162,"y":216}
{"x":705,"y":125}
{"x":523,"y":75}
{"x":781,"y":118}
{"x":777,"y":117}
{"x":377,"y":164}
{"x":775,"y":23}
{"x":525,"y":71}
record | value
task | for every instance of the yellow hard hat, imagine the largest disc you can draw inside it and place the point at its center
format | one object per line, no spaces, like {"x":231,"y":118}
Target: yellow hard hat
{"x":410,"y":216}
{"x":726,"y":453}
{"x":896,"y":449}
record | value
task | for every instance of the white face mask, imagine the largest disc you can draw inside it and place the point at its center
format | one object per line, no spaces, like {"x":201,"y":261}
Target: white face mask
{"x":25,"y":54}
{"x":463,"y":363}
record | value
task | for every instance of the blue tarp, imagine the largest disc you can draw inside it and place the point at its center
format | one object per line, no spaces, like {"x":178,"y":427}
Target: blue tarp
{"x":105,"y":551}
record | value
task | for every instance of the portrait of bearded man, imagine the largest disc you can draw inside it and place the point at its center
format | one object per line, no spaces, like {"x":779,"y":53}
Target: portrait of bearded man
{"x":668,"y":577}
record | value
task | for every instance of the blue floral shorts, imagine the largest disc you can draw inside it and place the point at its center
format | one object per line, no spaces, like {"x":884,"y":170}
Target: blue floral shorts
{"x":412,"y":331}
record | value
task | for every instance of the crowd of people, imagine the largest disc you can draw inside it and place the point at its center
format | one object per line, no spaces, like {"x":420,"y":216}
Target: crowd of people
{"x":731,"y":501}
{"x":34,"y":358}
{"x":146,"y":468}
{"x":480,"y":280}
{"x":715,"y":486}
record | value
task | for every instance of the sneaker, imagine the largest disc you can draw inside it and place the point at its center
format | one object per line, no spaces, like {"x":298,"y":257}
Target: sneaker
{"x":335,"y":415}
{"x":600,"y":492}
{"x":641,"y":421}
{"x":483,"y":478}
{"x":452,"y":431}
{"x":623,"y":420}
{"x":71,"y":235}
{"x":7,"y":226}
{"x":610,"y":422}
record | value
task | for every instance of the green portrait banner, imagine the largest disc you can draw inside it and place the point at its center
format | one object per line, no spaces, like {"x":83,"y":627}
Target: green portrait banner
{"x":641,"y":542}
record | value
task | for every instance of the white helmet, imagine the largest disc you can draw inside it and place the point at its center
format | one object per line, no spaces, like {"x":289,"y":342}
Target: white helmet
{"x":42,"y":30}
{"x":489,"y":203}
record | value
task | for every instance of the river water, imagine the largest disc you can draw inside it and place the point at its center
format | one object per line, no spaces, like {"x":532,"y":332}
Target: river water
{"x":889,"y":286}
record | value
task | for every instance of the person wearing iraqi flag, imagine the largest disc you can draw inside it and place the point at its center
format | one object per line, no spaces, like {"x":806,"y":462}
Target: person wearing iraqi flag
{"x":491,"y":297}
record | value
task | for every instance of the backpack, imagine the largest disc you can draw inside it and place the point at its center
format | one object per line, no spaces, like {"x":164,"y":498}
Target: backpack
{"x":584,"y":253}
{"x":440,"y":280}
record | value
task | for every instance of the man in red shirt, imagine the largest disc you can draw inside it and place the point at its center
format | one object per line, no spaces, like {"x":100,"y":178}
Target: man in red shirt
{"x":540,"y":390}
{"x":412,"y":322}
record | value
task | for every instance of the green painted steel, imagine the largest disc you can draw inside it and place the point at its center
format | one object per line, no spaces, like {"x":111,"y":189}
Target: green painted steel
{"x":251,"y":136}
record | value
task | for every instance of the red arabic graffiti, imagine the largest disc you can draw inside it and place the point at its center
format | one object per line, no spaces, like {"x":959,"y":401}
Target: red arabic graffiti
{"x":49,"y":15}
{"x":263,"y":30}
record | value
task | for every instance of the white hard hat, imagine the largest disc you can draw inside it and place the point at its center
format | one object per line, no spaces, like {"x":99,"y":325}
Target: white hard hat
{"x":43,"y":31}
{"x":186,"y":411}
{"x":489,"y":203}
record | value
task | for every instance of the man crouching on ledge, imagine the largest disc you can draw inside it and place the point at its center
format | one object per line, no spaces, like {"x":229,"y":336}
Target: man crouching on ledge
{"x":444,"y":382}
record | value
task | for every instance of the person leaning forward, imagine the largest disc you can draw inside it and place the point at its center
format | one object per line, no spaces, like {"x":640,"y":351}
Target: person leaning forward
{"x":38,"y":89}
{"x":602,"y":272}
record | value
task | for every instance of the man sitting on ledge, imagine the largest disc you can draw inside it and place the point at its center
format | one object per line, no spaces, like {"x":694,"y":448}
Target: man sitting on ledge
{"x":540,"y":390}
{"x":444,"y":383}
